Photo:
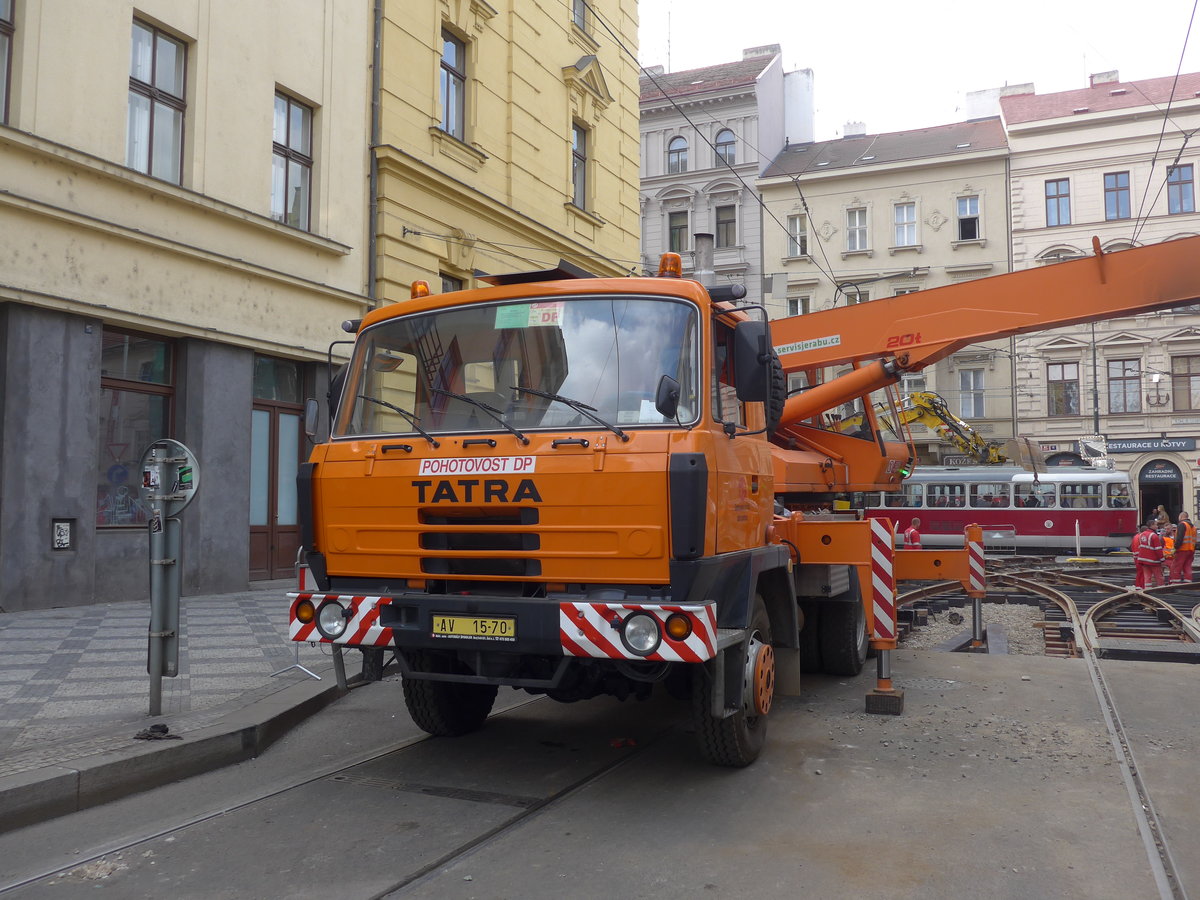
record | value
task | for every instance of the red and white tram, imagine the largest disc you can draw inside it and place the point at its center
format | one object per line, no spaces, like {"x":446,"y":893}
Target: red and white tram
{"x":1017,"y":509}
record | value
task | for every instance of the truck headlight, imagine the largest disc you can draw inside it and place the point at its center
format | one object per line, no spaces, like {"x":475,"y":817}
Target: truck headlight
{"x":640,"y":634}
{"x":331,"y":619}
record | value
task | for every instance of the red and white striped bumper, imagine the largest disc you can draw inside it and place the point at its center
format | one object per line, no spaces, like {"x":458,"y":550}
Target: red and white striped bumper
{"x":592,"y":630}
{"x":363,"y":629}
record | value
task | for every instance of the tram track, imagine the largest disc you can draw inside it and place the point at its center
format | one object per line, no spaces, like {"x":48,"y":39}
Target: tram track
{"x":360,"y":771}
{"x":1088,"y":615}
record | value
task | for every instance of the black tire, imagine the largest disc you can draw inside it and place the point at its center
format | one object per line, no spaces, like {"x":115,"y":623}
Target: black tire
{"x":735,"y":740}
{"x":778,"y":394}
{"x":448,"y":708}
{"x":810,"y":639}
{"x":844,"y":639}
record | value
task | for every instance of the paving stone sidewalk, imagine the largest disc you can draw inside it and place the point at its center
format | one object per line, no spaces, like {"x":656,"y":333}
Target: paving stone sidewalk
{"x":73,"y":681}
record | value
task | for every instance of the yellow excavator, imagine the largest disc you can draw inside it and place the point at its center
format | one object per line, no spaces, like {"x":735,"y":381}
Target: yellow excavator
{"x":931,"y":410}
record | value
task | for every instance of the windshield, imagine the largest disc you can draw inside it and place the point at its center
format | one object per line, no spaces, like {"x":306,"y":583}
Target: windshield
{"x":458,"y":369}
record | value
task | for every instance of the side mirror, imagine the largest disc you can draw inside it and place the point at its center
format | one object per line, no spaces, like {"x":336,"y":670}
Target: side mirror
{"x":312,"y":416}
{"x":751,"y":360}
{"x":666,"y":398}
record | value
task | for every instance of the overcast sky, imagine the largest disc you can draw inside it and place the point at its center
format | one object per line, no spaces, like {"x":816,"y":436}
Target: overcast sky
{"x":897,"y":66}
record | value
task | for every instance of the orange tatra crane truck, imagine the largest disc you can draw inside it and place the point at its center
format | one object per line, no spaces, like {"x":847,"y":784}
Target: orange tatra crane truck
{"x":582,"y":486}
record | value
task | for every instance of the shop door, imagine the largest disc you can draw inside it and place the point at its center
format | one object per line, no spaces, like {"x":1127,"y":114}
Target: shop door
{"x":275,"y":447}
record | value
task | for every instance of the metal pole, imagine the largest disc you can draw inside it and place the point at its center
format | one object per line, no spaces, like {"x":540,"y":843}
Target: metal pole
{"x":977,"y":623}
{"x":158,"y":546}
{"x":1095,"y":387}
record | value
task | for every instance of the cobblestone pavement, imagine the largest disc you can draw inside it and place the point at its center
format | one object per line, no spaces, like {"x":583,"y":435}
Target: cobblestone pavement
{"x":73,"y":681}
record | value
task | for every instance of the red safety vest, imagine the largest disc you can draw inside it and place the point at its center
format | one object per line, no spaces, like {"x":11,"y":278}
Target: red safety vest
{"x":912,"y":538}
{"x":1189,"y":536}
{"x":1147,"y":547}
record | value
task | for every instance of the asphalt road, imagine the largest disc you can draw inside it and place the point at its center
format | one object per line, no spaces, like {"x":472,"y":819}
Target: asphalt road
{"x":998,"y":781}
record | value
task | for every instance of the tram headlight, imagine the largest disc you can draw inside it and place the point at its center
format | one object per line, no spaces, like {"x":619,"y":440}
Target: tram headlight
{"x":331,"y":619}
{"x":640,"y":633}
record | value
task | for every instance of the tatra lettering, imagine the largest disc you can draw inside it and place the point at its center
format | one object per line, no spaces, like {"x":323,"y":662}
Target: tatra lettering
{"x":463,"y":490}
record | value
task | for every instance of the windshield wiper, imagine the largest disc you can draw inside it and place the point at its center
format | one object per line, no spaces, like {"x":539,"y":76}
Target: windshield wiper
{"x":581,"y":408}
{"x":412,"y":420}
{"x":490,"y":410}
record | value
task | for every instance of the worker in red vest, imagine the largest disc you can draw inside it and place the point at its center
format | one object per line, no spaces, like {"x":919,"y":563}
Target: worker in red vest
{"x":912,"y":537}
{"x":1147,"y":549}
{"x":1185,"y":550}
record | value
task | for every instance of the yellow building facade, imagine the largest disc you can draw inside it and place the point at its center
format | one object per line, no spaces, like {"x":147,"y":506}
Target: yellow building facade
{"x":505,"y":139}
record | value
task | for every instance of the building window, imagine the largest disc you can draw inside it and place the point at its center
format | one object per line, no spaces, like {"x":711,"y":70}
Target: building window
{"x":137,"y":380}
{"x":677,"y":152}
{"x":911,"y":384}
{"x":677,"y":232}
{"x":454,"y":86}
{"x":901,"y":291}
{"x":1124,"y":386}
{"x":968,"y":218}
{"x":970,"y":387}
{"x":1062,"y":384}
{"x":1116,"y":195}
{"x":291,"y":162}
{"x":797,"y":306}
{"x":726,"y":147}
{"x":853,"y":295}
{"x":157,"y":67}
{"x":579,"y":161}
{"x":797,"y":227}
{"x":726,"y":226}
{"x":1058,"y":202}
{"x":579,"y":14}
{"x":856,"y":229}
{"x":906,"y":224}
{"x":1185,"y":382}
{"x":6,"y":45}
{"x":450,"y":284}
{"x":1181,"y":197}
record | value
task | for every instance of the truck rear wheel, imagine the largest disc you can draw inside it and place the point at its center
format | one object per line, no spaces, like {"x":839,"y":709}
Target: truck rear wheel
{"x":738,"y":739}
{"x":844,"y":636}
{"x":447,"y":708}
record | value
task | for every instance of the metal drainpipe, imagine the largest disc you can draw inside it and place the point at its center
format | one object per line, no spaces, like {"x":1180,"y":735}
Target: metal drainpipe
{"x":704,"y":259}
{"x":373,"y":178}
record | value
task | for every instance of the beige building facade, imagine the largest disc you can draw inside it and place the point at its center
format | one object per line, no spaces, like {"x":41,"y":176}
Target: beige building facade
{"x":870,"y":216}
{"x":506,"y":140}
{"x":1111,"y":161}
{"x":184,"y":227}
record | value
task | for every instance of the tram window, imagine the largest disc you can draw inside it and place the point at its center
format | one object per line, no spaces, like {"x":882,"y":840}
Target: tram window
{"x":1035,"y":495}
{"x":946,"y":494}
{"x":1080,"y":496}
{"x":1118,"y":496}
{"x":865,"y":501}
{"x":907,"y":497}
{"x":989,"y":494}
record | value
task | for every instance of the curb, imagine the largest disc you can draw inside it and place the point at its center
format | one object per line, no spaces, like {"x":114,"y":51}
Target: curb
{"x":27,"y":798}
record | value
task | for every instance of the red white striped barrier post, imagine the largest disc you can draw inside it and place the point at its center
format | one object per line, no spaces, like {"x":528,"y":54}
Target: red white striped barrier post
{"x":977,"y":582}
{"x":885,"y":698}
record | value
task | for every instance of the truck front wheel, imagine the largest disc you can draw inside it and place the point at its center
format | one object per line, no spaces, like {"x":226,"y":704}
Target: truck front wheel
{"x":448,"y":708}
{"x":736,"y":740}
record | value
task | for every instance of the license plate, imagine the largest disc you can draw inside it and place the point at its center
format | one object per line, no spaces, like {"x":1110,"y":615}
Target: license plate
{"x":488,"y":628}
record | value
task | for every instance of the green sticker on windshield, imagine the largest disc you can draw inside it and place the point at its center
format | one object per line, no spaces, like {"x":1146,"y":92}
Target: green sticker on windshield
{"x":529,"y":315}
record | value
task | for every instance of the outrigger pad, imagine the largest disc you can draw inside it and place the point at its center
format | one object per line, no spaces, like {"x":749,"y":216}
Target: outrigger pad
{"x":885,"y":703}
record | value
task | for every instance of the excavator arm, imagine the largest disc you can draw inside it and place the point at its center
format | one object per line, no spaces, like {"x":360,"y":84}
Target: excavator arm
{"x":912,"y":331}
{"x":931,"y":410}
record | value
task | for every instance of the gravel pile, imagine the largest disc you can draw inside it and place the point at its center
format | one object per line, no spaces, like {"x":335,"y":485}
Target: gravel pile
{"x":1024,"y":637}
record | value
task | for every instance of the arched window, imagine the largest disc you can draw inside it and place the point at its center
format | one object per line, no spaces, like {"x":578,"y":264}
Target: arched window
{"x":726,"y":147}
{"x":677,"y":156}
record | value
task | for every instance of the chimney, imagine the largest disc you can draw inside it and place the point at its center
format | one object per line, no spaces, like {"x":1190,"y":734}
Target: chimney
{"x":1104,"y":78}
{"x":704,"y":273}
{"x":764,"y":50}
{"x":854,"y":129}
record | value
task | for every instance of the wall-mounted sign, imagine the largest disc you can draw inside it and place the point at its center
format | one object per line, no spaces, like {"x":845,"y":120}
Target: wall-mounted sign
{"x":1152,"y":445}
{"x":1160,"y":471}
